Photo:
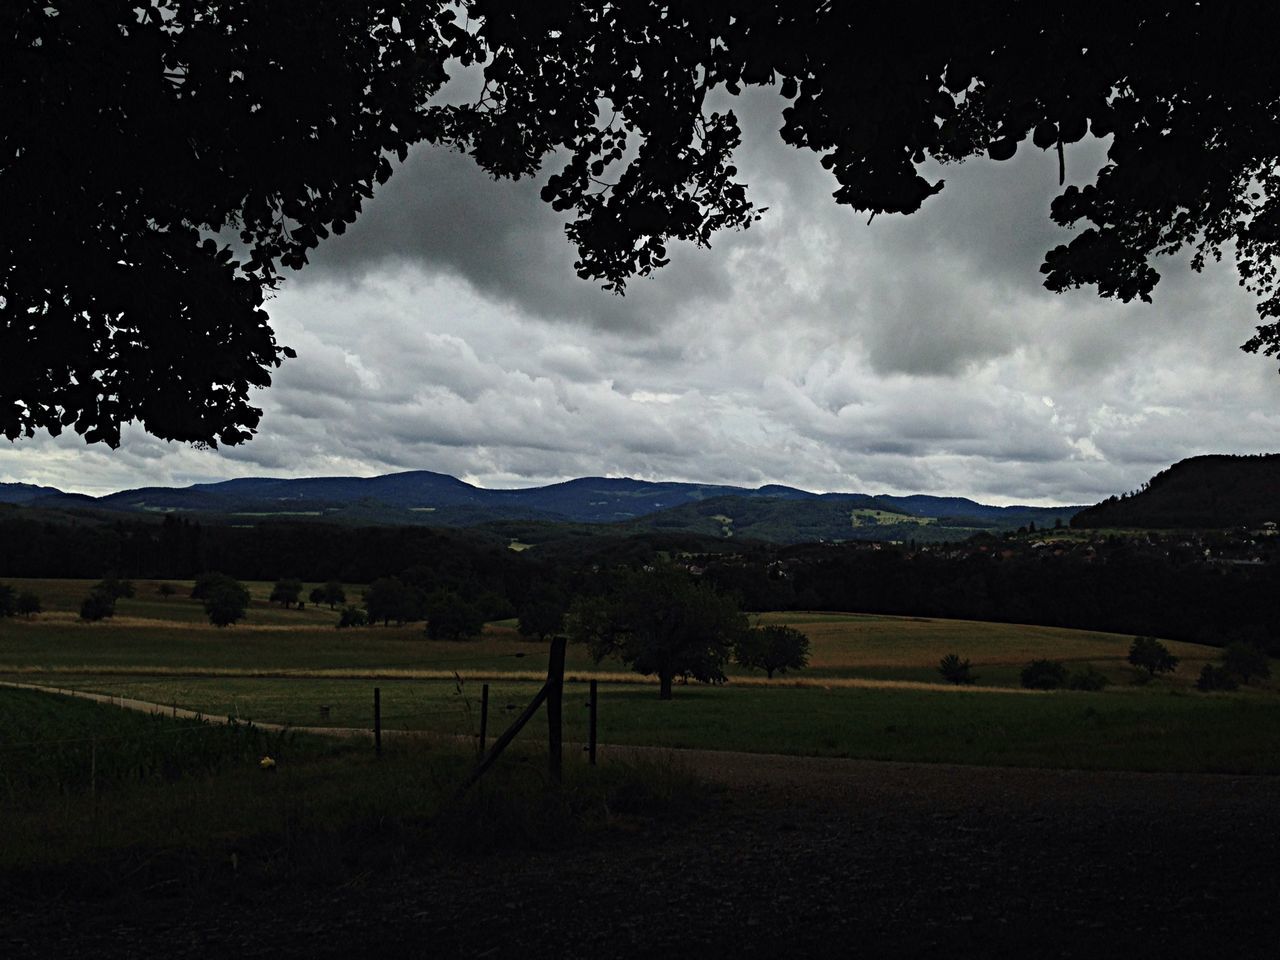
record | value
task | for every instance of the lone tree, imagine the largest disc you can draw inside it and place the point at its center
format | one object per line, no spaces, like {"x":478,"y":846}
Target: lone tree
{"x":98,"y":605}
{"x":286,"y":591}
{"x":659,"y":621}
{"x":954,"y":670}
{"x":773,"y":648}
{"x":1149,"y":654}
{"x":139,"y":138}
{"x":226,"y":602}
{"x":387,"y":599}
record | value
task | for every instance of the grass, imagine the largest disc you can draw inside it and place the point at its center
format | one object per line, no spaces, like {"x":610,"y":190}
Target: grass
{"x":327,"y":809}
{"x":872,"y":689}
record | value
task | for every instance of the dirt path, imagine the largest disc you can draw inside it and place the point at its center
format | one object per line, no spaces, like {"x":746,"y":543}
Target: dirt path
{"x":794,"y":856}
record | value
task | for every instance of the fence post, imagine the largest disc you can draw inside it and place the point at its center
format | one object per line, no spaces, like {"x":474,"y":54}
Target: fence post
{"x":377,"y":720}
{"x":484,"y":715}
{"x":591,"y":726}
{"x":555,"y":702}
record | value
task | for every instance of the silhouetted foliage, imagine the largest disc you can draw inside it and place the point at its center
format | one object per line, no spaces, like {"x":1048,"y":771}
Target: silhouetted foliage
{"x":1215,"y":678}
{"x":8,"y":600}
{"x":166,"y":590}
{"x":450,"y":617}
{"x":286,"y":591}
{"x":1044,"y":675}
{"x":352,"y":616}
{"x":115,"y":588}
{"x":542,"y":615}
{"x":954,"y":670}
{"x":1246,"y":661}
{"x":330,"y":593}
{"x":659,"y":621}
{"x":279,"y":124}
{"x":27,"y":604}
{"x":98,"y":605}
{"x":1149,"y":654}
{"x":226,"y":602}
{"x":773,"y":648}
{"x":387,"y":599}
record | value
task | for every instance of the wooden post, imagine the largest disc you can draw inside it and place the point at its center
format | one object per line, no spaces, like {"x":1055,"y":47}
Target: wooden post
{"x":484,"y":716}
{"x":377,"y":720}
{"x":591,"y":725}
{"x":555,"y":704}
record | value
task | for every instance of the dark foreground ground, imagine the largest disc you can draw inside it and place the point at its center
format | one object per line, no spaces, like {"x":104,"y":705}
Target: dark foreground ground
{"x":789,"y":857}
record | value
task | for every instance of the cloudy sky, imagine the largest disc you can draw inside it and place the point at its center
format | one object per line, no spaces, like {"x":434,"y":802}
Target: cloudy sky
{"x":447,"y":331}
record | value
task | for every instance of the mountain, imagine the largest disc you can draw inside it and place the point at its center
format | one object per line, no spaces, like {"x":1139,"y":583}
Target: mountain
{"x":1210,"y":492}
{"x":422,"y":498}
{"x":24,"y":492}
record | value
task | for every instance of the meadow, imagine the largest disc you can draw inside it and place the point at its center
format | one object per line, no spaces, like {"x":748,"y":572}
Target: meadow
{"x":871,"y":691}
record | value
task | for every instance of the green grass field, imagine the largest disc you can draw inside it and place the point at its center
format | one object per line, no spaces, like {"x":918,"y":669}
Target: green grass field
{"x":872,"y":688}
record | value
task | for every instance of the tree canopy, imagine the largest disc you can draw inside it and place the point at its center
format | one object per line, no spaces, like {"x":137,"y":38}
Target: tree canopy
{"x":160,"y":164}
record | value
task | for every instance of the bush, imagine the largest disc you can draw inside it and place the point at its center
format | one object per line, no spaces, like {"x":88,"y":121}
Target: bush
{"x":954,"y":670}
{"x":1088,"y":677}
{"x":352,"y":616}
{"x":1215,"y":678}
{"x":7,"y":600}
{"x":1044,"y":675}
{"x":115,"y":588}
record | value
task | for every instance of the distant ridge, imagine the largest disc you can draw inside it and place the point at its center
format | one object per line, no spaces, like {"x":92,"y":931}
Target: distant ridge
{"x":1209,"y":492}
{"x":423,"y":498}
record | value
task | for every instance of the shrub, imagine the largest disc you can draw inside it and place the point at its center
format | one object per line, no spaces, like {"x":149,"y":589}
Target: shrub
{"x":954,"y":670}
{"x":114,"y":588}
{"x":1215,"y":678}
{"x":1088,"y":677}
{"x":1044,"y":675}
{"x":8,"y":602}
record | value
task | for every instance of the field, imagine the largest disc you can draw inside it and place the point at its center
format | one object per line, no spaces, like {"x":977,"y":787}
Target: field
{"x":871,"y":690}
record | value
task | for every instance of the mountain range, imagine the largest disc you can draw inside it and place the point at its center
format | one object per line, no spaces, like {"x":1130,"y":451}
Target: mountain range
{"x":772,"y":512}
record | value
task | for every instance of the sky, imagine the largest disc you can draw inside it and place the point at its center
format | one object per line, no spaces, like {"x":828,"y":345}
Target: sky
{"x":447,"y":331}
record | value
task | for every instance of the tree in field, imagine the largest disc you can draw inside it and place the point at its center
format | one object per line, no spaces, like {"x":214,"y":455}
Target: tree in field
{"x":542,"y":615}
{"x":1246,"y":661}
{"x":1216,"y":678}
{"x":138,"y":137}
{"x":1149,"y":654}
{"x":8,"y":601}
{"x":226,"y":602}
{"x":352,"y":616}
{"x":330,"y":593}
{"x":452,"y":617}
{"x":388,"y":599}
{"x":286,"y":591}
{"x":27,"y":604}
{"x":773,"y":648}
{"x":954,"y":670}
{"x":206,"y":583}
{"x":660,"y":622}
{"x":98,"y":605}
{"x":166,"y":590}
{"x":115,"y":588}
